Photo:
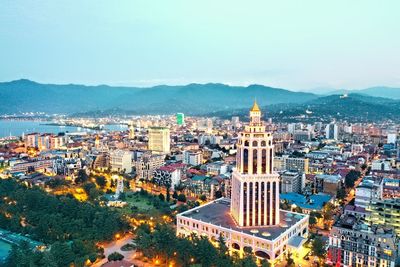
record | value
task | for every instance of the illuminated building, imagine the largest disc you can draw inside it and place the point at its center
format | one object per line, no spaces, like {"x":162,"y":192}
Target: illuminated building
{"x":385,"y":212}
{"x":146,"y":164}
{"x":131,"y":131}
{"x":32,"y":166}
{"x":180,"y":119}
{"x":251,"y":219}
{"x":159,"y":139}
{"x":353,"y":243}
{"x":121,"y":161}
{"x":31,"y":140}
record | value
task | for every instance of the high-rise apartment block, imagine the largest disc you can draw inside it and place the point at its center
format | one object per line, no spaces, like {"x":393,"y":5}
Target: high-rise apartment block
{"x":159,"y":140}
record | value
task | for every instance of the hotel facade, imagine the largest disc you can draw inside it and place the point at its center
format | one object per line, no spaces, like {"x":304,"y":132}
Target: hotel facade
{"x":251,"y":219}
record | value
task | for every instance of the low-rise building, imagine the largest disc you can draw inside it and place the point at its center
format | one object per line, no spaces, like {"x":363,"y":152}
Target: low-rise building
{"x":146,"y":164}
{"x":121,"y":160}
{"x":193,"y":157}
{"x":292,"y":182}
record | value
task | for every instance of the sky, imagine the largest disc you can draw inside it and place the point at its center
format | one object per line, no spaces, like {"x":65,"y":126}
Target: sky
{"x":298,"y":45}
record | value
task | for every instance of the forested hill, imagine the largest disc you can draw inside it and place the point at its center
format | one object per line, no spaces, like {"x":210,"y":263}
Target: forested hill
{"x":28,"y":96}
{"x":355,"y":108}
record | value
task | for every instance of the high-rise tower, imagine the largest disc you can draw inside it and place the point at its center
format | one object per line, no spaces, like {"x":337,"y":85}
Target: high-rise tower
{"x":255,"y":187}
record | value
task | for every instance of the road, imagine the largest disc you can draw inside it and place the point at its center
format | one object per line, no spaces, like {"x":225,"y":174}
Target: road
{"x":356,"y":183}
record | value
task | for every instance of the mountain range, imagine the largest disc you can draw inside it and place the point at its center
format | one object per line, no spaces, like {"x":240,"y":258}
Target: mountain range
{"x":378,"y":91}
{"x":22,"y":96}
{"x":27,"y":96}
{"x":353,"y":108}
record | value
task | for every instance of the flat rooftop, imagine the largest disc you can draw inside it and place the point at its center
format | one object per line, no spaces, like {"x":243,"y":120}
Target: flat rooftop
{"x":218,"y":213}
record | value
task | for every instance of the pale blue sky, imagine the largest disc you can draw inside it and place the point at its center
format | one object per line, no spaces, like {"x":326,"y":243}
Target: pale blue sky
{"x":289,"y":44}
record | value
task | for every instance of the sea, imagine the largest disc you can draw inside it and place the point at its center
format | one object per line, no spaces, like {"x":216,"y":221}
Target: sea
{"x":20,"y":127}
{"x":4,"y":250}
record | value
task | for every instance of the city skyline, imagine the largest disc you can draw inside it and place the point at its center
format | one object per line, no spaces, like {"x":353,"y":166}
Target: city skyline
{"x":307,"y":46}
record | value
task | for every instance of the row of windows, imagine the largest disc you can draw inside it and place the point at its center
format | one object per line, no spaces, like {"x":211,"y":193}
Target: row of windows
{"x":254,"y":161}
{"x":256,"y":143}
{"x":197,"y":226}
{"x":268,"y":194}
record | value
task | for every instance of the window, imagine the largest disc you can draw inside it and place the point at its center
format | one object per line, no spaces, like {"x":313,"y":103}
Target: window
{"x":255,"y":161}
{"x":245,"y":160}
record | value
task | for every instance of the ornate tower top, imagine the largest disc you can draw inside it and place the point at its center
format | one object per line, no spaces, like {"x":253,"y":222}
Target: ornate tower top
{"x":255,"y":115}
{"x":255,"y":107}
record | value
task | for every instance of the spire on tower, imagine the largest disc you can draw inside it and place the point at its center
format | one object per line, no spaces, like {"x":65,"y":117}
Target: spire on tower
{"x":255,"y":106}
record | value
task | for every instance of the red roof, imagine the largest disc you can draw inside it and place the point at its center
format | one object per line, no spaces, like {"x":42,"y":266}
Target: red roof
{"x":167,"y":168}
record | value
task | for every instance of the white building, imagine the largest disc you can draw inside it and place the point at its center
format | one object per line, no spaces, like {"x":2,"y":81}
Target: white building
{"x":209,"y":139}
{"x":31,"y":140}
{"x":121,"y":160}
{"x":292,"y":182}
{"x":296,"y":164}
{"x":193,"y":157}
{"x":391,"y":138}
{"x":367,"y":190}
{"x":168,"y":174}
{"x":381,"y":165}
{"x":251,"y":218}
{"x":159,"y":139}
{"x":332,"y":131}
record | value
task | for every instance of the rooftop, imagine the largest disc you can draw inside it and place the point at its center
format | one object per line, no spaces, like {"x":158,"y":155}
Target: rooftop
{"x":314,"y":202}
{"x":218,"y":213}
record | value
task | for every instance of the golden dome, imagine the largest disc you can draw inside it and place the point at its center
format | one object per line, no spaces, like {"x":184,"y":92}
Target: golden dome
{"x":255,"y":107}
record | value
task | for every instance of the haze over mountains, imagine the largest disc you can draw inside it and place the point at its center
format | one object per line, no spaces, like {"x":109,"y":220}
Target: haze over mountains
{"x":23,"y":96}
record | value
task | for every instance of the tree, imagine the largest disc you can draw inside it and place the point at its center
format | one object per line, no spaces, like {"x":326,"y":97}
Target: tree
{"x":318,"y":247}
{"x":144,"y":240}
{"x":314,"y":216}
{"x":175,"y":195}
{"x":161,"y":197}
{"x":248,"y":261}
{"x":82,"y":177}
{"x":91,"y":190}
{"x":163,"y":237}
{"x":182,"y":197}
{"x":168,"y":197}
{"x":101,"y":181}
{"x":203,"y":198}
{"x":298,"y":209}
{"x":312,"y":221}
{"x":62,"y":253}
{"x":115,"y":256}
{"x":341,"y":193}
{"x":205,"y":252}
{"x":56,"y":183}
{"x":265,"y":263}
{"x":328,"y":212}
{"x":289,"y":260}
{"x":285,"y":205}
{"x":222,"y":248}
{"x":351,"y":177}
{"x":218,"y":194}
